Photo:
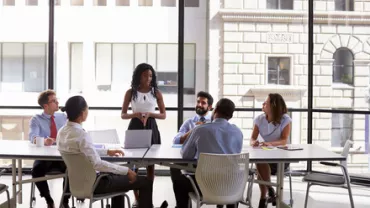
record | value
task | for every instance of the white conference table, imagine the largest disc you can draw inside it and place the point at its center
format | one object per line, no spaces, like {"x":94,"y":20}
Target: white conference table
{"x":18,"y":150}
{"x":171,"y":156}
{"x":162,"y":155}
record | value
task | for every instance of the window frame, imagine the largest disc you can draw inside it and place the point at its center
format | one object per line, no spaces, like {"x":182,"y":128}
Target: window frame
{"x":341,"y":72}
{"x":290,"y":69}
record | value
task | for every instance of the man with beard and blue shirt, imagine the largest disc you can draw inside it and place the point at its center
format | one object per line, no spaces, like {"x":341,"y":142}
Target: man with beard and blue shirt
{"x":204,"y":104}
{"x":202,"y":108}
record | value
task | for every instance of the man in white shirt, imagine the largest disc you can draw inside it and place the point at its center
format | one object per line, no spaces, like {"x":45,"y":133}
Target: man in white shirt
{"x":73,"y":139}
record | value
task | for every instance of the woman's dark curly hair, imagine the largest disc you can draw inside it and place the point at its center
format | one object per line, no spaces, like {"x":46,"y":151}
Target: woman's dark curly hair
{"x":135,"y":83}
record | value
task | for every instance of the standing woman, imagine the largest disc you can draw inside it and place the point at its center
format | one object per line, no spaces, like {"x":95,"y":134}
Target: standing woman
{"x":144,"y":96}
{"x":274,"y":128}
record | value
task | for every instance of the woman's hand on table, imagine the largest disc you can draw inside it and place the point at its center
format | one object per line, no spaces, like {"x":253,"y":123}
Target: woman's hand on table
{"x":113,"y":152}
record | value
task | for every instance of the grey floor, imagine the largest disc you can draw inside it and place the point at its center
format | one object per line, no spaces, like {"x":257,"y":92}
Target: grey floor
{"x":320,"y":197}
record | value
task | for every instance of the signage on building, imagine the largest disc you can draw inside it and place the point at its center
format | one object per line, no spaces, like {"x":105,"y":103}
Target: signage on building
{"x":279,"y":37}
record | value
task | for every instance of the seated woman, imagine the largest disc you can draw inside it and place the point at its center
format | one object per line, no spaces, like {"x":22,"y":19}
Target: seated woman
{"x":72,"y":138}
{"x":274,"y":128}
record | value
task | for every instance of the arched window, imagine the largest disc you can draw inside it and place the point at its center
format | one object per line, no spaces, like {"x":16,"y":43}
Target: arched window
{"x":343,"y":66}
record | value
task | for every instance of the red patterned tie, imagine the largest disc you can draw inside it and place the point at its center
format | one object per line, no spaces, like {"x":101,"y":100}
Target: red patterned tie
{"x":53,"y":128}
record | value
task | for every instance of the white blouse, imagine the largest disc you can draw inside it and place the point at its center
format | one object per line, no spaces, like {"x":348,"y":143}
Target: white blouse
{"x":72,"y":138}
{"x":144,"y":103}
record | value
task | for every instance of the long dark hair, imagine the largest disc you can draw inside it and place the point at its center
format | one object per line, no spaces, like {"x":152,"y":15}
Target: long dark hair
{"x":135,"y":83}
{"x":278,"y":107}
{"x":74,"y":107}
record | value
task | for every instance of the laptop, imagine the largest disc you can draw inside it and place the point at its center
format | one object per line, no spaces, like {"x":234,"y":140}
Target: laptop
{"x":138,"y":139}
{"x":105,"y":138}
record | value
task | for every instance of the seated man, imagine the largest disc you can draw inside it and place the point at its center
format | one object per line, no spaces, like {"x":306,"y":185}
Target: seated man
{"x":218,"y":137}
{"x":204,"y":105}
{"x":47,"y":125}
{"x":202,"y":108}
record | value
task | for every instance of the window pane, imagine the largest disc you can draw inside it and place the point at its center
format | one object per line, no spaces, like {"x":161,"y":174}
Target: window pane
{"x":122,"y":2}
{"x":167,"y":57}
{"x":100,"y":2}
{"x":191,"y":3}
{"x":152,"y":55}
{"x":145,"y":2}
{"x":76,"y":67}
{"x":272,"y":4}
{"x":140,"y":54}
{"x":332,"y":130}
{"x":77,"y":2}
{"x":189,"y":68}
{"x":12,"y":66}
{"x":31,"y":2}
{"x":286,"y":4}
{"x":123,"y":66}
{"x":9,"y":2}
{"x":340,"y":5}
{"x":273,"y":70}
{"x":284,"y":71}
{"x":113,"y":46}
{"x":168,"y":3}
{"x":34,"y":67}
{"x":103,"y":66}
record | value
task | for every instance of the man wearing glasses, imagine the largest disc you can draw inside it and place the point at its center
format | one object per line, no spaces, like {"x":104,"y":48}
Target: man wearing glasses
{"x":46,"y":125}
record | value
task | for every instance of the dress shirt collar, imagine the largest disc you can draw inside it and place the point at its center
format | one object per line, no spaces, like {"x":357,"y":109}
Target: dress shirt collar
{"x":207,"y":117}
{"x":74,"y":124}
{"x":219,"y":120}
{"x":46,"y":115}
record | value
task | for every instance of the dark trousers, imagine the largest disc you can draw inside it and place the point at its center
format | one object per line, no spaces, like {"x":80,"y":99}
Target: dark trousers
{"x":120,"y":183}
{"x":40,"y":169}
{"x":182,"y":186}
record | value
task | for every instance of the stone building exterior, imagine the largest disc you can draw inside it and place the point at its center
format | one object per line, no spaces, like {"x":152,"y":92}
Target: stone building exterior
{"x":264,"y":48}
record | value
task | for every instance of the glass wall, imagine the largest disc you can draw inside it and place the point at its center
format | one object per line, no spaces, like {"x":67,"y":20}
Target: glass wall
{"x":239,"y":49}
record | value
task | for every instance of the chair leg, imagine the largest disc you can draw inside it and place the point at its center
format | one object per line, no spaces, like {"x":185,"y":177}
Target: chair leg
{"x":90,"y":203}
{"x":250,"y":191}
{"x":102,"y":203}
{"x":128,"y":201}
{"x":291,"y":190}
{"x":8,"y":197}
{"x":32,"y":194}
{"x":73,"y":201}
{"x":107,"y":205}
{"x":306,"y":199}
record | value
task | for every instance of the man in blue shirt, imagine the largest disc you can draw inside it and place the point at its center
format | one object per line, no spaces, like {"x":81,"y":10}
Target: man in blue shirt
{"x":46,"y":125}
{"x":204,"y":105}
{"x":218,"y":137}
{"x":203,"y":115}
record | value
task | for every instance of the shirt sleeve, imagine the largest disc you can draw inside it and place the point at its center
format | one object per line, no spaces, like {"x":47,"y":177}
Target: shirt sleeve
{"x":189,"y":148}
{"x":34,"y":129}
{"x":87,"y":148}
{"x":257,"y":121}
{"x":286,"y":120}
{"x":183,"y":130}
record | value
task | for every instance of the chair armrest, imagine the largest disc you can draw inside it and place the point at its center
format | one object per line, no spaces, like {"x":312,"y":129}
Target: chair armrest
{"x":189,"y":175}
{"x":97,"y":181}
{"x":186,"y":173}
{"x":330,"y":164}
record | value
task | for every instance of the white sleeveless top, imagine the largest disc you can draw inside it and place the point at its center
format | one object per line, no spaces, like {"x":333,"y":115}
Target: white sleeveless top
{"x":144,"y":102}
